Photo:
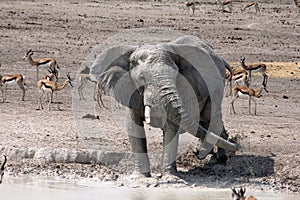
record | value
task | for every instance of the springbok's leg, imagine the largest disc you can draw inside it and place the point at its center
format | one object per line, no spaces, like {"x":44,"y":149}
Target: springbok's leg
{"x":49,"y":103}
{"x":2,"y":92}
{"x":23,"y":90}
{"x":254,"y":105}
{"x":5,"y":93}
{"x":37,"y":73}
{"x":40,"y":106}
{"x":58,"y":108}
{"x":232,"y":104}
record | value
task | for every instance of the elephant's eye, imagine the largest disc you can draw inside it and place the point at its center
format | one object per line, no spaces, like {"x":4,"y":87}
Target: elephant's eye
{"x":142,"y":58}
{"x":132,"y":64}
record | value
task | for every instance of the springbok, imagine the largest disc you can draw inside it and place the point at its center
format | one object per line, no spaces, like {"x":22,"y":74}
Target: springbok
{"x":238,"y":194}
{"x":51,"y":87}
{"x":40,"y":62}
{"x":261,"y":68}
{"x":248,"y":5}
{"x":191,"y":5}
{"x":240,"y":90}
{"x":225,"y":3}
{"x":12,"y":79}
{"x":83,"y":80}
{"x":98,"y":91}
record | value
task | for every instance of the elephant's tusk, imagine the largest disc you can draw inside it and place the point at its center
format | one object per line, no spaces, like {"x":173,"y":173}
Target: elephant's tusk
{"x":147,"y":114}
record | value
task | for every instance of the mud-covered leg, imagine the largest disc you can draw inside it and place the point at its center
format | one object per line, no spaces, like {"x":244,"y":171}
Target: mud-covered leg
{"x":138,"y":142}
{"x":221,"y":154}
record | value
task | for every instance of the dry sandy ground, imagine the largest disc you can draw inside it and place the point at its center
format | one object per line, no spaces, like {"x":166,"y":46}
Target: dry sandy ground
{"x":70,"y":144}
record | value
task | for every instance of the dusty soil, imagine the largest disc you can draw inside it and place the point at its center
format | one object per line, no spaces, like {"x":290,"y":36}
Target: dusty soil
{"x":71,"y":144}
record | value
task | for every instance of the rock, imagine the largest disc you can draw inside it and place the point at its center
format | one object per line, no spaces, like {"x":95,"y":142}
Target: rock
{"x":285,"y":97}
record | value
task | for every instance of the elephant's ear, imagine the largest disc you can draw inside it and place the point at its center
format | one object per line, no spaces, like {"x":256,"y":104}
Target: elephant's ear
{"x":208,"y":68}
{"x":111,"y":70}
{"x":117,"y":82}
{"x":113,"y":56}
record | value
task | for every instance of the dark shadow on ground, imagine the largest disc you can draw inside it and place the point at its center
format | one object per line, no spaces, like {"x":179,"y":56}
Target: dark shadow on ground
{"x":238,"y":170}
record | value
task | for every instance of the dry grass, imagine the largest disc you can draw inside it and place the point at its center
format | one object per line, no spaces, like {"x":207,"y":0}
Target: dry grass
{"x":280,"y":69}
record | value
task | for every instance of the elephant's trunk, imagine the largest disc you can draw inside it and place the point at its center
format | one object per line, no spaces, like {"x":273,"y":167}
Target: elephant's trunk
{"x":172,"y":103}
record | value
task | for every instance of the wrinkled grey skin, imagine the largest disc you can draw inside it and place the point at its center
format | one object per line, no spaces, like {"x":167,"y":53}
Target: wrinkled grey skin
{"x":182,"y":84}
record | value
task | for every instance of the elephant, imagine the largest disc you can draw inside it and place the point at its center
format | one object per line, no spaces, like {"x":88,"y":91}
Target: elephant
{"x":176,"y":86}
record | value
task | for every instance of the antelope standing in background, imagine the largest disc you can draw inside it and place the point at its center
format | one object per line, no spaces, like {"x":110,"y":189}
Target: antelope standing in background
{"x":12,"y":79}
{"x":98,"y":91}
{"x":191,"y":5}
{"x":237,"y":76}
{"x":225,"y":3}
{"x":240,"y":194}
{"x":241,"y":77}
{"x":261,"y":68}
{"x":83,"y":80}
{"x":50,"y":77}
{"x":51,"y":87}
{"x":254,"y":4}
{"x":40,"y":62}
{"x":240,"y":90}
{"x":2,"y":169}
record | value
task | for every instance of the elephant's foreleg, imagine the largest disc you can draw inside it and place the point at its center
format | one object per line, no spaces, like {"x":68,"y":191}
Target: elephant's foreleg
{"x":138,"y":142}
{"x":220,"y":155}
{"x":170,"y":145}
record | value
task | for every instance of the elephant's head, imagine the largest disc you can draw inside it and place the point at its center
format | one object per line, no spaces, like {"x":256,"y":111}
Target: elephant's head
{"x":146,"y":78}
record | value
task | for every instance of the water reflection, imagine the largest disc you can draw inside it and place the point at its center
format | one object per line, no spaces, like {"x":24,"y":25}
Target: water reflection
{"x":46,"y":189}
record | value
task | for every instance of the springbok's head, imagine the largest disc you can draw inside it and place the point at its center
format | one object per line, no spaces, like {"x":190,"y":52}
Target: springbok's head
{"x":243,"y":59}
{"x":28,"y":53}
{"x":53,"y":71}
{"x":2,"y":169}
{"x":238,"y":194}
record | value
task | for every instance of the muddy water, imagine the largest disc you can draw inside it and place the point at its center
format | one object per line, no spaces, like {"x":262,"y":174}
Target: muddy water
{"x":37,"y":189}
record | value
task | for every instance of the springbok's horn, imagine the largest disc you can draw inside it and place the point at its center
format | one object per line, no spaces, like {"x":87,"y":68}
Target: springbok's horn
{"x":243,"y":191}
{"x":3,"y":164}
{"x":68,"y":75}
